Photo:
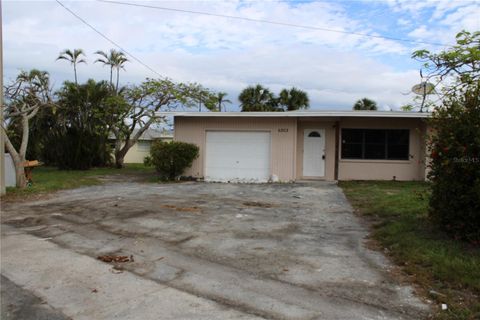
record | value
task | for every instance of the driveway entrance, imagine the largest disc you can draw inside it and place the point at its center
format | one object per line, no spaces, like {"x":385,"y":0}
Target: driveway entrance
{"x":201,"y":251}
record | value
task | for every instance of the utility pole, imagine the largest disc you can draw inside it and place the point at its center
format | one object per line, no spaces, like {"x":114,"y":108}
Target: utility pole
{"x":2,"y":137}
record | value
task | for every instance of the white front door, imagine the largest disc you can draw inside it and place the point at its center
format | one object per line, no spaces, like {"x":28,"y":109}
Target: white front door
{"x":314,"y":153}
{"x":242,"y":156}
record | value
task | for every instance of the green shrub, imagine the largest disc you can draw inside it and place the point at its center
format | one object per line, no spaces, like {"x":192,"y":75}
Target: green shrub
{"x":147,"y":161}
{"x":77,"y":149}
{"x":170,"y":159}
{"x":74,"y":134}
{"x":455,"y":165}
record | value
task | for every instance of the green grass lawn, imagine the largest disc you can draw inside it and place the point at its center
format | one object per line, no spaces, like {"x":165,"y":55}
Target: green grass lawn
{"x":48,"y":179}
{"x":398,"y":212}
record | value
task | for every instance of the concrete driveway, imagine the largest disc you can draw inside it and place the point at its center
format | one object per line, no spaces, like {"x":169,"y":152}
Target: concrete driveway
{"x":200,"y":251}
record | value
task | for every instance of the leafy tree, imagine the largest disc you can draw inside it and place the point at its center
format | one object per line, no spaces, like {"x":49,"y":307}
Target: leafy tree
{"x":462,"y":61}
{"x":140,"y":107}
{"x":257,"y":98}
{"x":454,"y":142}
{"x":74,"y":57}
{"x":407,"y":107}
{"x":365,"y":104}
{"x":24,"y":97}
{"x":39,"y":126}
{"x":221,"y":101}
{"x":203,"y":97}
{"x":455,"y":164}
{"x":115,"y":60}
{"x":293,"y":99}
{"x":78,"y":138}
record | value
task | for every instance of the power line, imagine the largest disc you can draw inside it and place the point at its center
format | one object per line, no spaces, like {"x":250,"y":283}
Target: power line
{"x":108,"y":39}
{"x":285,"y":24}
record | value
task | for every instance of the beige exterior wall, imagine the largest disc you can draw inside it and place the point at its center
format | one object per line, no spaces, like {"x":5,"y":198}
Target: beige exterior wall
{"x":287,"y":145}
{"x":412,"y":169}
{"x":137,"y":153}
{"x":140,"y":150}
{"x":283,"y":140}
{"x":329,"y":127}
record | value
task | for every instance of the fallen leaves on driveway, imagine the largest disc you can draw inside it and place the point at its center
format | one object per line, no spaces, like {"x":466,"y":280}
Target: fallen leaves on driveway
{"x":257,"y":204}
{"x":184,"y":209}
{"x":108,"y":259}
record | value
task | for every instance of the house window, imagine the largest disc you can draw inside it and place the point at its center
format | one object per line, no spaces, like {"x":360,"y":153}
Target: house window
{"x":375,"y":144}
{"x":144,"y":146}
{"x":314,"y":134}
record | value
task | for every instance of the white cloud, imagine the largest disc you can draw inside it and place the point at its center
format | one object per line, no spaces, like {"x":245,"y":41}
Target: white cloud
{"x":467,"y":17}
{"x":225,"y":54}
{"x":404,"y":22}
{"x":422,"y":33}
{"x":332,"y":79}
{"x":441,"y":20}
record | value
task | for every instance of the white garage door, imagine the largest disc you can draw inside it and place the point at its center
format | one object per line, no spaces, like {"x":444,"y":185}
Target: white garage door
{"x":240,"y":156}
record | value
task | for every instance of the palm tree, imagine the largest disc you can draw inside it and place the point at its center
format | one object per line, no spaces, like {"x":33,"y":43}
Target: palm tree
{"x":74,"y":58}
{"x":293,"y":99}
{"x":365,"y":104}
{"x":221,"y":101}
{"x":257,"y":98}
{"x":115,"y":60}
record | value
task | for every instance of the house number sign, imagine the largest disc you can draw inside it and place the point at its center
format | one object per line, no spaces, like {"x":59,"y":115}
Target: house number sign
{"x":283,"y":130}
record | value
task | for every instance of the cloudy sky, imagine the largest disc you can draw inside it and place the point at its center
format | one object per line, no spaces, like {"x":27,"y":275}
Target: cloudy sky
{"x":227,"y":54}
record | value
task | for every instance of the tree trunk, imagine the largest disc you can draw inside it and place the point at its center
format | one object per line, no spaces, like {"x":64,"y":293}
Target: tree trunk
{"x":118,"y":149}
{"x":111,"y":76}
{"x":18,"y":160}
{"x":118,"y":77}
{"x":75,"y":73}
{"x":121,"y":151}
{"x":120,"y":156}
{"x":119,"y":161}
{"x":20,"y":179}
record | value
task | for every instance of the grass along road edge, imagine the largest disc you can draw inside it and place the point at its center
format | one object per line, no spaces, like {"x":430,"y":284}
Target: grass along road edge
{"x":445,"y":270}
{"x":50,"y":179}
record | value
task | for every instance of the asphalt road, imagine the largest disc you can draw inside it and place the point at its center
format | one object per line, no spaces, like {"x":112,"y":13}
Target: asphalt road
{"x":201,"y":251}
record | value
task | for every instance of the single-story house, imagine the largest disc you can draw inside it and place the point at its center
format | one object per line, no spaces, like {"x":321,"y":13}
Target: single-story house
{"x":302,"y":145}
{"x":141,"y":149}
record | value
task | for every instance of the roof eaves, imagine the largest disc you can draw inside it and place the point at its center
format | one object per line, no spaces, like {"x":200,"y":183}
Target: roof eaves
{"x":310,"y":114}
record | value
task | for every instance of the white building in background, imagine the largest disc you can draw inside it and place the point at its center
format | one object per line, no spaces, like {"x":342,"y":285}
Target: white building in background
{"x":141,"y":149}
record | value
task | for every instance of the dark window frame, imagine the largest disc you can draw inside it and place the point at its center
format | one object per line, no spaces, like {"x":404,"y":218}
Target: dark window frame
{"x":386,"y":133}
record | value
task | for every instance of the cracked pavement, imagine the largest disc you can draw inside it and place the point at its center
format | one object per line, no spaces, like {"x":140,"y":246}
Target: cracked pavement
{"x":202,"y":251}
